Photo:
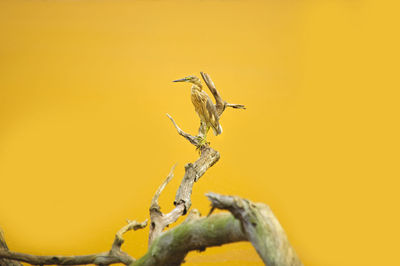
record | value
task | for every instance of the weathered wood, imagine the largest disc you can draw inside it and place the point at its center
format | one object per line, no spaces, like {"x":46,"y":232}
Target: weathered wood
{"x":261,"y":228}
{"x":159,"y":220}
{"x":195,"y":233}
{"x":115,"y":255}
{"x":190,"y":138}
{"x":220,"y":104}
{"x":4,"y":247}
{"x":193,"y":172}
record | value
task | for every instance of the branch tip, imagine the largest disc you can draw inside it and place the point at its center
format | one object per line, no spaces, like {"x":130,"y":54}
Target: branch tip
{"x":236,"y":106}
{"x":131,"y":225}
{"x":187,"y":136}
{"x":154,"y":202}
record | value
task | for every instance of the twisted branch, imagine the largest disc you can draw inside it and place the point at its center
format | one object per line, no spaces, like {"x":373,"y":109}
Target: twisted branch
{"x":261,"y":228}
{"x":247,"y":221}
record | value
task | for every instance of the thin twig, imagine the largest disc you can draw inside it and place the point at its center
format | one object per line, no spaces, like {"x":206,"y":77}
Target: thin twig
{"x":154,"y":201}
{"x":159,"y":221}
{"x":190,"y":138}
{"x":236,"y":106}
{"x":132,"y":225}
{"x":220,"y":104}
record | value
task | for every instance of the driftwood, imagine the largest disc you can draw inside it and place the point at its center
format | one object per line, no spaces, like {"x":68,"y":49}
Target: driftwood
{"x":245,"y":221}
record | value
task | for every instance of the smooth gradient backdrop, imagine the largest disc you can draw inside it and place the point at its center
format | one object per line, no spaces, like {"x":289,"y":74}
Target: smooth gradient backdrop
{"x":85,"y":142}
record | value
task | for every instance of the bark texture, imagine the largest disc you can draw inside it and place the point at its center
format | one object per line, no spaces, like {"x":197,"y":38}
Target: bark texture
{"x":261,"y":228}
{"x":114,"y":255}
{"x":195,"y":233}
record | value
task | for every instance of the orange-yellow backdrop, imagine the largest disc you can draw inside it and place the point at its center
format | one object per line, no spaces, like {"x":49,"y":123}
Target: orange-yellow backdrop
{"x":84,"y":140}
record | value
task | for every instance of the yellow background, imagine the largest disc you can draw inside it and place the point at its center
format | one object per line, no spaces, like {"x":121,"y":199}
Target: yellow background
{"x":84,"y":140}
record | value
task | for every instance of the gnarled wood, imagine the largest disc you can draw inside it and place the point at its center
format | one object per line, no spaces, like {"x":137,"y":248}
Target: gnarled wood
{"x":193,"y":172}
{"x":159,"y":220}
{"x":195,"y":233}
{"x":261,"y":228}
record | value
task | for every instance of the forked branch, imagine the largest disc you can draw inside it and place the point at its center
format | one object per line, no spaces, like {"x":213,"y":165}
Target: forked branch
{"x":247,"y":221}
{"x":220,"y":104}
{"x":159,"y":220}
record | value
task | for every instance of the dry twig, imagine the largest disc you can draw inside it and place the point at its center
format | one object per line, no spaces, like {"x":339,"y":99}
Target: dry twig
{"x":115,"y":255}
{"x":159,"y":221}
{"x":220,"y":104}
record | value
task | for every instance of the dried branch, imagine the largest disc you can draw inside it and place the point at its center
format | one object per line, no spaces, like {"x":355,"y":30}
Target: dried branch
{"x":236,"y":106}
{"x":115,"y":255}
{"x":154,"y":201}
{"x":261,"y":228}
{"x":193,"y":172}
{"x":195,"y":233}
{"x":132,"y":225}
{"x":247,"y":221}
{"x":190,"y":138}
{"x":208,"y":156}
{"x":3,"y":246}
{"x":118,"y":241}
{"x":159,"y":221}
{"x":220,"y":104}
{"x":99,"y":259}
